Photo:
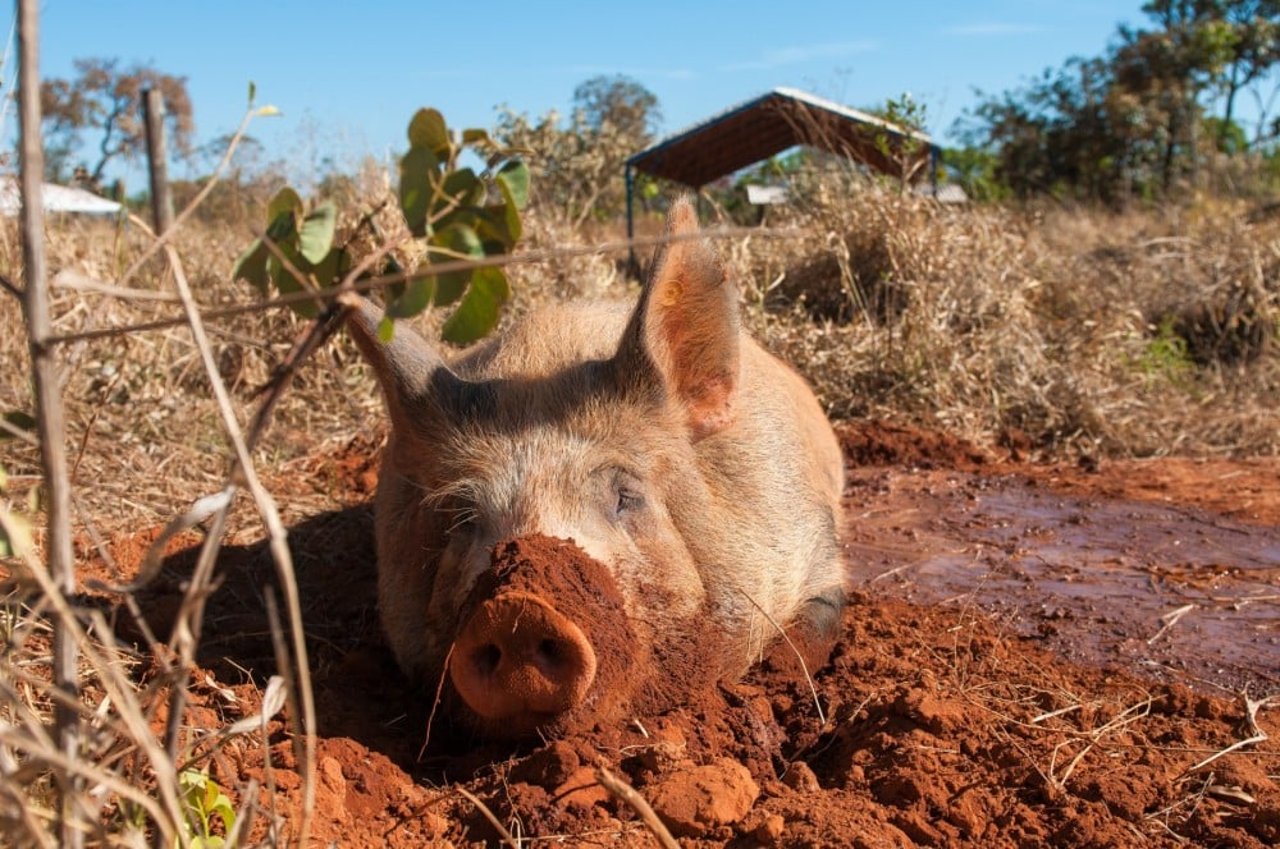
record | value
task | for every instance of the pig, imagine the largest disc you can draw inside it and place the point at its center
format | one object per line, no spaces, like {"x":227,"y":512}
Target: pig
{"x":698,"y":471}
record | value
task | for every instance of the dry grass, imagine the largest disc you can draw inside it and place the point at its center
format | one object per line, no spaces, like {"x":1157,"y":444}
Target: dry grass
{"x":1139,"y":334}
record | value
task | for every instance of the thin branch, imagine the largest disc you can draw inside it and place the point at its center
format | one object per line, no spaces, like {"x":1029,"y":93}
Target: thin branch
{"x":243,"y":469}
{"x":50,"y":416}
{"x":11,"y":287}
{"x":489,"y":815}
{"x":385,"y":280}
{"x":628,"y":794}
{"x":804,"y":667}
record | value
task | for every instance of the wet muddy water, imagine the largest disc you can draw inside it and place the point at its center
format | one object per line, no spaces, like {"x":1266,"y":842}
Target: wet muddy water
{"x":1171,"y":591}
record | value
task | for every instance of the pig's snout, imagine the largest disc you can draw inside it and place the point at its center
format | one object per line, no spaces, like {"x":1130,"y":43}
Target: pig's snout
{"x":517,"y":657}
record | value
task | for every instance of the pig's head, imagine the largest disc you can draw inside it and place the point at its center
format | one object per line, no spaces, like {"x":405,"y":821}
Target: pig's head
{"x":582,"y":425}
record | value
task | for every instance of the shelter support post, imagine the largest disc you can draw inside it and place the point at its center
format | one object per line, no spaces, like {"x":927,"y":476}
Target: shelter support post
{"x":632,"y":267}
{"x":935,"y":153}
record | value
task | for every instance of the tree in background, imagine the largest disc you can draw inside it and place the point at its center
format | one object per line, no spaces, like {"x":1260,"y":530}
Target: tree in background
{"x":619,"y":102}
{"x":1138,"y":119}
{"x":578,"y":165}
{"x":98,"y":115}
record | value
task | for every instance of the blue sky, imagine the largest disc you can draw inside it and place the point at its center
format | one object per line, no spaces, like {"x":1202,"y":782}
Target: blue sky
{"x":347,"y":76}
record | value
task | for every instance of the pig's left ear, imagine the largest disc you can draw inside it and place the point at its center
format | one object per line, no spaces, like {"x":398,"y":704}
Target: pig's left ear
{"x":685,"y":329}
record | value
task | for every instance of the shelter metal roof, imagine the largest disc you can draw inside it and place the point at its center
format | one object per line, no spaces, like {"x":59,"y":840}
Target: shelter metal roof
{"x":770,"y":124}
{"x":56,"y":199}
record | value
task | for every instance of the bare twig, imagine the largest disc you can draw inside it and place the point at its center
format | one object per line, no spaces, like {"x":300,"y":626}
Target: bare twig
{"x":243,"y":469}
{"x":804,"y":667}
{"x":431,"y":718}
{"x":503,"y":833}
{"x":50,"y":424}
{"x":385,"y":280}
{"x":1170,"y":619}
{"x":1251,"y":709}
{"x":628,"y":794}
{"x":10,"y":287}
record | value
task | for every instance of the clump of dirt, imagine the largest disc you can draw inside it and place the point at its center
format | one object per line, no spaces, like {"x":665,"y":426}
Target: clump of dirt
{"x":873,"y":443}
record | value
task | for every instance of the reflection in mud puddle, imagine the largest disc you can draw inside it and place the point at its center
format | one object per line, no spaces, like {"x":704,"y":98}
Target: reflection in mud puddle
{"x":1170,"y":590}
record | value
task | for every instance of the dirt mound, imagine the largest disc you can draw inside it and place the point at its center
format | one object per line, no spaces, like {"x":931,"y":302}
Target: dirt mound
{"x":884,"y":444}
{"x":938,"y":730}
{"x":942,"y":723}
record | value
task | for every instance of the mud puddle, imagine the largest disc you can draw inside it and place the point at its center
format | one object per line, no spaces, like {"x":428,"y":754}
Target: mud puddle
{"x":1171,"y":591}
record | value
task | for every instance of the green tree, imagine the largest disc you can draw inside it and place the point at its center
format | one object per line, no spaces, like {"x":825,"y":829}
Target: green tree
{"x":578,"y":163}
{"x":620,"y":102}
{"x":1132,"y":121}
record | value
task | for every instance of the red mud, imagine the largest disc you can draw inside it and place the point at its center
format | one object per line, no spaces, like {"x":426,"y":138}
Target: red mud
{"x":584,"y":592}
{"x":952,"y":716}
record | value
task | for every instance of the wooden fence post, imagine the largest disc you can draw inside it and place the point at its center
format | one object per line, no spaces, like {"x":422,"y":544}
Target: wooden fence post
{"x":157,"y":160}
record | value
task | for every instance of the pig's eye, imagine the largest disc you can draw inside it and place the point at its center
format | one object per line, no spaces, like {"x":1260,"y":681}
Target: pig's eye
{"x":626,"y":493}
{"x":628,"y":501}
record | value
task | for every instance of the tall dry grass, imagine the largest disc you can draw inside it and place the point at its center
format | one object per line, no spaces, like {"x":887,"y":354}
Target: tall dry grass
{"x":1137,"y":334}
{"x":1145,"y":333}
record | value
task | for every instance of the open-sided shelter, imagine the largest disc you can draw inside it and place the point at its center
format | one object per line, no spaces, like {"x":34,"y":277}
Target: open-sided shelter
{"x":769,"y":124}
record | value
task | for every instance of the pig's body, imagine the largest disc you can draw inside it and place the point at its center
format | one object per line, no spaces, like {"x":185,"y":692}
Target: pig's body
{"x":696,"y":467}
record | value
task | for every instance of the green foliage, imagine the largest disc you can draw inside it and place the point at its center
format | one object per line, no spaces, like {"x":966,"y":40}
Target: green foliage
{"x":974,"y":170}
{"x":578,"y":162}
{"x":455,"y":212}
{"x":202,"y":802}
{"x":907,"y":154}
{"x":1166,"y":355}
{"x":1134,"y":121}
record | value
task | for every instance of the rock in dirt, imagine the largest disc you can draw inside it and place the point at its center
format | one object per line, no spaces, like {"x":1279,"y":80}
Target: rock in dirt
{"x":694,"y":800}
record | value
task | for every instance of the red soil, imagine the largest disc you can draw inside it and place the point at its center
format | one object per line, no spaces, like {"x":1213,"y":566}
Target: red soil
{"x":951,"y":715}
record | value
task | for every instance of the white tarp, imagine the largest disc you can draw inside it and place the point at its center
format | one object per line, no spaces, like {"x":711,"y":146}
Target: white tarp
{"x":56,"y":199}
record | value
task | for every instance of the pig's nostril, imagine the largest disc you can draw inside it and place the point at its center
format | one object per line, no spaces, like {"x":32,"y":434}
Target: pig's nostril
{"x":550,"y":653}
{"x":486,"y":658}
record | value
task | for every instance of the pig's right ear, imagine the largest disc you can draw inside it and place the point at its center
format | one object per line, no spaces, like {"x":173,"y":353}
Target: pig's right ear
{"x":413,"y":375}
{"x":685,"y":330}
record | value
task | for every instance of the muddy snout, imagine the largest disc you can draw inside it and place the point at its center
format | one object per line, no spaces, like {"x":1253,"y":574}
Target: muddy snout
{"x":544,"y":643}
{"x":517,"y":655}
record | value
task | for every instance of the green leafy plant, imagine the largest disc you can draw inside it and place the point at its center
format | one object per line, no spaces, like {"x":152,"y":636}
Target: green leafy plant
{"x":202,"y":802}
{"x":457,"y":212}
{"x":1167,"y":354}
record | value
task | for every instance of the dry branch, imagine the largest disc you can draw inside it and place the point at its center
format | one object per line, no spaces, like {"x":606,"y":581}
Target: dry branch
{"x":639,"y":804}
{"x":50,"y":424}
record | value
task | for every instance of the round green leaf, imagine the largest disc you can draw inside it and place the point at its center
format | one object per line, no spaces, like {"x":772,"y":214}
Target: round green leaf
{"x":286,"y":282}
{"x":419,"y":175}
{"x":515,"y":176}
{"x":315,"y":237}
{"x":285,"y":201}
{"x":480,"y":309}
{"x":461,"y":188}
{"x":428,"y":129}
{"x":252,"y":266}
{"x":477,"y":137}
{"x":416,"y":295}
{"x":462,"y":242}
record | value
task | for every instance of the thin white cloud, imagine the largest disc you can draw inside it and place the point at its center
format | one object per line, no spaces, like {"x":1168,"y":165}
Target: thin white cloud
{"x":993,"y":28}
{"x":796,"y":55}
